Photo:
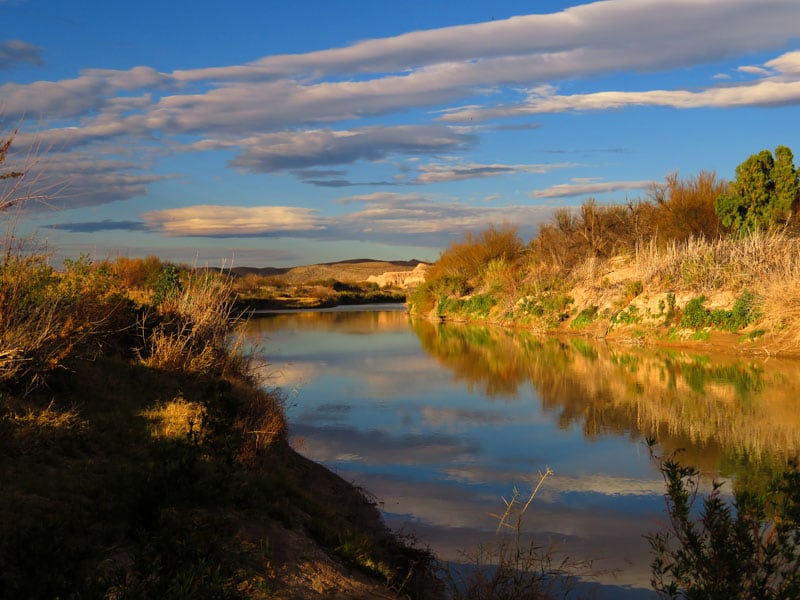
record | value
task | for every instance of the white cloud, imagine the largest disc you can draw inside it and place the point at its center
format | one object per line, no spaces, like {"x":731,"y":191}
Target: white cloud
{"x":787,"y":64}
{"x":438,"y":173}
{"x":774,"y":90}
{"x":258,"y":108}
{"x":272,"y":152}
{"x":585,"y":188}
{"x":219,"y":221}
{"x":753,"y":70}
{"x":385,"y":217}
{"x":763,"y":93}
{"x":665,"y":33}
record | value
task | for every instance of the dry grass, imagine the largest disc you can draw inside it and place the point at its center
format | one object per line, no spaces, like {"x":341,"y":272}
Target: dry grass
{"x":26,"y":431}
{"x":195,"y":326}
{"x":725,"y":263}
{"x":35,"y":335}
{"x":177,"y":419}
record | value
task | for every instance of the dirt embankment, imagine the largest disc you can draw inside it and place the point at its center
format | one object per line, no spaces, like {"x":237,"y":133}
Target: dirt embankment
{"x":620,"y":301}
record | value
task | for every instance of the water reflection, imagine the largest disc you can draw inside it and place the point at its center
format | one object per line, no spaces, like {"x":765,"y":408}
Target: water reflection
{"x":440,"y":421}
{"x":728,"y":404}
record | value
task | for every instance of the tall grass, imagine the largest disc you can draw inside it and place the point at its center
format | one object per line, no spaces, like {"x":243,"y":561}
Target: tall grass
{"x":193,"y":326}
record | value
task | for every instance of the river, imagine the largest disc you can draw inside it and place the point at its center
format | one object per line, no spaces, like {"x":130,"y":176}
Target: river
{"x":440,"y":422}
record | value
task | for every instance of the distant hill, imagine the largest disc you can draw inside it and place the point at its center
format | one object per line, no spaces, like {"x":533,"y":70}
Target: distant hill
{"x":346,"y":271}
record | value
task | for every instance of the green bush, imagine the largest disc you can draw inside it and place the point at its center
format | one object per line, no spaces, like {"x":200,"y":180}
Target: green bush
{"x":747,"y":549}
{"x":743,"y":313}
{"x":584,"y":318}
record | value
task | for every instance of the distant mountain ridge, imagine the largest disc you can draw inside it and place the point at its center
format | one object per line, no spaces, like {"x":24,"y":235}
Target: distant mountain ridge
{"x":346,"y":271}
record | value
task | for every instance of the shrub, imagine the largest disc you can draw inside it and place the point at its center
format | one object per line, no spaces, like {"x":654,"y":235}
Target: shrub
{"x":743,"y":313}
{"x":743,"y":550}
{"x":684,"y":209}
{"x":46,"y":317}
{"x":469,"y":258}
{"x":584,"y":318}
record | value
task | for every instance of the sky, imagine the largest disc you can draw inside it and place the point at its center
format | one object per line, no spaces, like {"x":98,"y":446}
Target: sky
{"x":267,"y":133}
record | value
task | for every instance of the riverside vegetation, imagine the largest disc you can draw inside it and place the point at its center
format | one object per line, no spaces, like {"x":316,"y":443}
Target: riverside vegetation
{"x":699,"y":258}
{"x":140,"y":458}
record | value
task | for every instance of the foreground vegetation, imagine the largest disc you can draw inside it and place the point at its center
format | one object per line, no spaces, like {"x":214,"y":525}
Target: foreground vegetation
{"x":140,"y":459}
{"x":698,"y":257}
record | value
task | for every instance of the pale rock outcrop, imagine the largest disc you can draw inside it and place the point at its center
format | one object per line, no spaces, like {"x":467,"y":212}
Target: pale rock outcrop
{"x":401,"y":279}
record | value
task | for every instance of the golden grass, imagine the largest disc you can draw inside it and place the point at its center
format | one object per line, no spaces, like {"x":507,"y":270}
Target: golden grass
{"x":732,"y":263}
{"x":176,"y":419}
{"x":195,"y":327}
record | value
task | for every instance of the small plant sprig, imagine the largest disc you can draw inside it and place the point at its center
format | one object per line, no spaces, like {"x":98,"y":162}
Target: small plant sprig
{"x":513,"y":567}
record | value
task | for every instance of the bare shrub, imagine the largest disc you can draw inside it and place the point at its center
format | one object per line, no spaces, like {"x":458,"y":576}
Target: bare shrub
{"x":592,"y":230}
{"x":684,"y":208}
{"x":469,"y":258}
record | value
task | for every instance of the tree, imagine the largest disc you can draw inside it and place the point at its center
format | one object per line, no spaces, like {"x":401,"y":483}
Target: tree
{"x":764,"y":194}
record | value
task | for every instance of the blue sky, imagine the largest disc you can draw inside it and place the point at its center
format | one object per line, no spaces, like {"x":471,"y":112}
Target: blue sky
{"x":285,"y":133}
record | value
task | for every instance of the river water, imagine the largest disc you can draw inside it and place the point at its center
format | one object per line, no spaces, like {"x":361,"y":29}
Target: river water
{"x":442,"y":421}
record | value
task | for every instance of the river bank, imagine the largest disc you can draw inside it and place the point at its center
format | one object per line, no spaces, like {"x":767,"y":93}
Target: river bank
{"x":737,"y":296}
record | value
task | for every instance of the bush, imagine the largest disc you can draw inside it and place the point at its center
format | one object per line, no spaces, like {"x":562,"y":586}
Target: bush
{"x":748,"y":549}
{"x":47,"y":317}
{"x":743,"y":313}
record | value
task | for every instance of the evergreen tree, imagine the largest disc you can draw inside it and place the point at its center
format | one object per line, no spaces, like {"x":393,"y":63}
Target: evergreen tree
{"x":764,"y":193}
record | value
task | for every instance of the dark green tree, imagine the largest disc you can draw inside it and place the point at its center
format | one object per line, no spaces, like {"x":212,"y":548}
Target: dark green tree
{"x":764,"y":194}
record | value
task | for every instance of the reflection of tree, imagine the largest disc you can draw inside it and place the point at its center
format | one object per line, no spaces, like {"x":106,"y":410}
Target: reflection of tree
{"x":712,"y":407}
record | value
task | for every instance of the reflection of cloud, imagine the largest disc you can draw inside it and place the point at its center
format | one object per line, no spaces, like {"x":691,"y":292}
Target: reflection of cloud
{"x":605,"y":485}
{"x":324,"y":413}
{"x":581,"y":188}
{"x":455,"y":519}
{"x":286,"y":376}
{"x":445,"y":416}
{"x":375,"y":447}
